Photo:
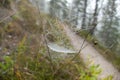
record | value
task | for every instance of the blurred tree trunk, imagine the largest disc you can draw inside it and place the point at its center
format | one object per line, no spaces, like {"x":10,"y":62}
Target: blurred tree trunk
{"x":77,"y":10}
{"x":95,"y":18}
{"x":84,"y":15}
{"x":58,"y":8}
{"x":109,"y":32}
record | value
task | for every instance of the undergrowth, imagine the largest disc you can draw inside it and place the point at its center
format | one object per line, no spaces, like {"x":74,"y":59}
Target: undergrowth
{"x":29,"y":57}
{"x":107,"y":53}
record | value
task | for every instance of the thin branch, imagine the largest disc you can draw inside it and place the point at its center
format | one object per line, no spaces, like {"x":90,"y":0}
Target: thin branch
{"x":80,"y":47}
{"x":44,"y":22}
{"x":7,"y":17}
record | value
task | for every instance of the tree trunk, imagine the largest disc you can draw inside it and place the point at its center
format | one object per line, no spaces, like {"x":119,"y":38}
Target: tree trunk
{"x":84,"y":15}
{"x":95,"y":15}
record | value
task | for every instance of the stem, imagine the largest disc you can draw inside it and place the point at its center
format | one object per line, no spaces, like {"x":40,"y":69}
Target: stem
{"x":48,"y":51}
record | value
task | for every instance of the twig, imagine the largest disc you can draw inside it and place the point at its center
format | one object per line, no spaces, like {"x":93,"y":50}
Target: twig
{"x":7,"y":17}
{"x":83,"y":43}
{"x":44,"y":22}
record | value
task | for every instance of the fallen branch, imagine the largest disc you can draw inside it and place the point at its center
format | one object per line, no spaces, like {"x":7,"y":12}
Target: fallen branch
{"x":7,"y":17}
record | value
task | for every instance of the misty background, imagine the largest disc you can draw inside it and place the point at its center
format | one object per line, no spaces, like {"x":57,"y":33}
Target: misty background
{"x":103,"y":15}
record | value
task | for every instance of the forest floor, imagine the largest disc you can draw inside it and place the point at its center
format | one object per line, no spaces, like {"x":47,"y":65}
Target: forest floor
{"x":89,"y":53}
